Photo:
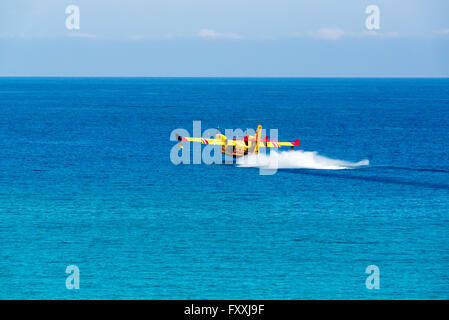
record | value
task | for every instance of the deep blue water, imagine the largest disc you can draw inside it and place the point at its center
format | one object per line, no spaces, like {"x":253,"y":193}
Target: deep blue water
{"x":86,"y":179}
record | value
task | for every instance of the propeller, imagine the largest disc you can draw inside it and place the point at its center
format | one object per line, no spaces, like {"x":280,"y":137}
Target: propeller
{"x":178,"y":137}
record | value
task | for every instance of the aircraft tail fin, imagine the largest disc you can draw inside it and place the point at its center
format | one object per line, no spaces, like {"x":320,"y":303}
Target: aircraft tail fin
{"x":258,"y":138}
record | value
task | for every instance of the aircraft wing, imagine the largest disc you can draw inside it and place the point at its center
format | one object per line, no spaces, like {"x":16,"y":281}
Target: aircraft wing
{"x":209,"y":141}
{"x":277,"y":144}
{"x":235,"y":142}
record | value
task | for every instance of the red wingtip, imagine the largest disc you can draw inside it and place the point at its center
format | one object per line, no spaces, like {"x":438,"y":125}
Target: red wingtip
{"x":296,"y":143}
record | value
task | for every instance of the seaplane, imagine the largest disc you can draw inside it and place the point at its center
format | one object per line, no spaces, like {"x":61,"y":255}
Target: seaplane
{"x":241,"y":147}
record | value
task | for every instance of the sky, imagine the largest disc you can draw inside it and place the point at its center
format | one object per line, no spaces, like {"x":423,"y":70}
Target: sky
{"x":228,"y":38}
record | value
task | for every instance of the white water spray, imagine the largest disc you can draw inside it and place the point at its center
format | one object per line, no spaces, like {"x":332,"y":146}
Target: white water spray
{"x":297,"y":160}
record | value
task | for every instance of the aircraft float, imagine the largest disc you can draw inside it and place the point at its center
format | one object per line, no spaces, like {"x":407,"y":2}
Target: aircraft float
{"x":241,"y":147}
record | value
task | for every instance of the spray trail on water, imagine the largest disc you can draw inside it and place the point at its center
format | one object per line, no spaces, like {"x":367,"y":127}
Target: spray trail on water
{"x":297,"y":160}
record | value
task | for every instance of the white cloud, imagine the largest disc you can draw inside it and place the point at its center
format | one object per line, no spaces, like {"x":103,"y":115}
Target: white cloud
{"x":137,"y":37}
{"x":6,"y":36}
{"x":327,"y":33}
{"x":373,"y":33}
{"x":140,"y":37}
{"x":169,"y":36}
{"x":80,"y":35}
{"x":444,"y":32}
{"x":212,"y":34}
{"x":336,"y":33}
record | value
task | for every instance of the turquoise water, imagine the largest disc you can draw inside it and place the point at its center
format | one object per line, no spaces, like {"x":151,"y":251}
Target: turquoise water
{"x":86,"y":179}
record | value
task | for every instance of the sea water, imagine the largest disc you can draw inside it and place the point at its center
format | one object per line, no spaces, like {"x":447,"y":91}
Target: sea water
{"x":86,"y":179}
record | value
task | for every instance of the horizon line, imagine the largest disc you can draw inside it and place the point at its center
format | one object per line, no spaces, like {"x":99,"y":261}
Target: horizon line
{"x":224,"y":77}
